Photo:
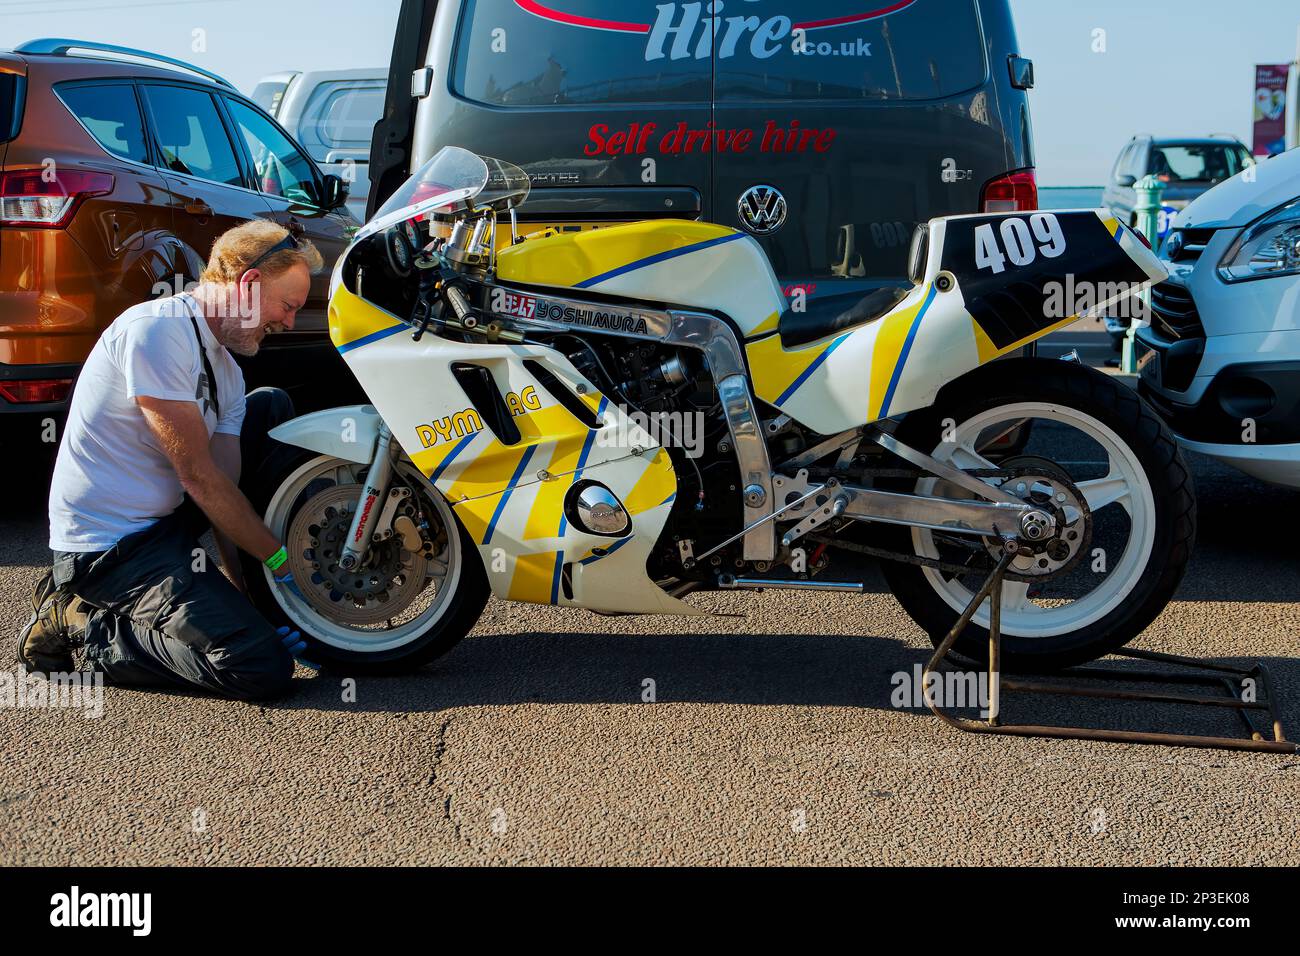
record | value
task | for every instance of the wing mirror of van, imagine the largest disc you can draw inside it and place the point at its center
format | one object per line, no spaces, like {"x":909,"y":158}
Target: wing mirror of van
{"x":1022,"y":72}
{"x":1125,"y":180}
{"x":334,"y":191}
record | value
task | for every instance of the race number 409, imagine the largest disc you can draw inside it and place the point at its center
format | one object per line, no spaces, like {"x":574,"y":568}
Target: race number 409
{"x":1022,"y":241}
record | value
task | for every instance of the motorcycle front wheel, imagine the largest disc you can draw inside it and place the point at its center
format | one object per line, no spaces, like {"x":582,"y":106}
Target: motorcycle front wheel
{"x":1099,"y":457}
{"x":418,"y":591}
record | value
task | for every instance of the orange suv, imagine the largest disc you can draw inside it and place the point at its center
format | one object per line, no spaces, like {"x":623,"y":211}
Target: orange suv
{"x":116,"y":176}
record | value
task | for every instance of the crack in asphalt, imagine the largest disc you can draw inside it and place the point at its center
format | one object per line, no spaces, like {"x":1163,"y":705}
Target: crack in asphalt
{"x":440,"y":748}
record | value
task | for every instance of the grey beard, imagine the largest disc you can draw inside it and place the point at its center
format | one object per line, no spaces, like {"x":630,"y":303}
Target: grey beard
{"x":246,"y":349}
{"x":237,"y":339}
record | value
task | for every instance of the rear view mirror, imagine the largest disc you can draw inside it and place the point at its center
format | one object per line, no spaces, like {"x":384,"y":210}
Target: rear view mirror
{"x":1125,"y":180}
{"x":1022,"y":72}
{"x":334,"y":192}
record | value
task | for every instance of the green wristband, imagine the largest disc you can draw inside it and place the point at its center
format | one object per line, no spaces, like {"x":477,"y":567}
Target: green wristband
{"x":274,"y":561}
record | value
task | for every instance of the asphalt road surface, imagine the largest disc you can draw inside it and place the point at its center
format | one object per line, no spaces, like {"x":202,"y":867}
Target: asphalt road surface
{"x":772,"y":738}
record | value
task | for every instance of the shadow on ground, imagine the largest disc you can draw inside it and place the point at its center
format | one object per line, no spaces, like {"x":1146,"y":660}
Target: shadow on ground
{"x":775,"y":670}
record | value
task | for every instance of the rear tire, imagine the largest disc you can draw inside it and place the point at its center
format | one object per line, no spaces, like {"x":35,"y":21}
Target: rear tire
{"x":1171,"y":500}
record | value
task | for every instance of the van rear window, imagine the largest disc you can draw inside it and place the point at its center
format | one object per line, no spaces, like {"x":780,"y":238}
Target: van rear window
{"x":341,"y":114}
{"x":544,"y":52}
{"x":549,"y":52}
{"x":851,"y":49}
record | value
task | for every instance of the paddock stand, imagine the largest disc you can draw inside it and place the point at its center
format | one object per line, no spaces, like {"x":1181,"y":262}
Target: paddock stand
{"x":1196,"y":672}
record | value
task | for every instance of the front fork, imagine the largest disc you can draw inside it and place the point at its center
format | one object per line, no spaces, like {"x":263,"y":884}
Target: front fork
{"x":373,"y":490}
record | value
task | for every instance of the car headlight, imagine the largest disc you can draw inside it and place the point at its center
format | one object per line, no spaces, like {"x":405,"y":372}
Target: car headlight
{"x":1269,"y":247}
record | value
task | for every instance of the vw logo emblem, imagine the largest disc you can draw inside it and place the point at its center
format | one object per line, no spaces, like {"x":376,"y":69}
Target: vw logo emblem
{"x":762,"y":209}
{"x":1174,"y":244}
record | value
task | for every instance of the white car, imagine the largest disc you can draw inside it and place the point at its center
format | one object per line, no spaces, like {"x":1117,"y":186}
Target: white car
{"x":1221,"y":358}
{"x":332,"y":113}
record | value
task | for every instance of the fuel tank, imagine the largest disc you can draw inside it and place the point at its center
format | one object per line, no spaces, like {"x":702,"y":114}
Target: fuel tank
{"x":984,"y":286}
{"x":676,"y":261}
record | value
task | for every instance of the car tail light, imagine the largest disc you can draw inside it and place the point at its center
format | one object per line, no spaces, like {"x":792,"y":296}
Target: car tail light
{"x":36,"y":391}
{"x":47,"y":200}
{"x":1014,"y":192}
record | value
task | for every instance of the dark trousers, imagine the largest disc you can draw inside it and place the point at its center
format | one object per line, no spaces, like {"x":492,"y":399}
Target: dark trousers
{"x":164,"y":614}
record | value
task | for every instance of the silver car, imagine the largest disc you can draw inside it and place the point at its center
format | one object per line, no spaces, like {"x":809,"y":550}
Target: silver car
{"x":332,"y":113}
{"x":1221,"y":358}
{"x":1188,"y":167}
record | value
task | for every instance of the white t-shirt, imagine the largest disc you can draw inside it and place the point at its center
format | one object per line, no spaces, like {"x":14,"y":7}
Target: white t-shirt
{"x":110,"y":477}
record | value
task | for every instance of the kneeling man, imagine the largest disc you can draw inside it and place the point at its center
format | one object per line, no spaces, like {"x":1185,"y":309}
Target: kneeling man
{"x":151,"y":457}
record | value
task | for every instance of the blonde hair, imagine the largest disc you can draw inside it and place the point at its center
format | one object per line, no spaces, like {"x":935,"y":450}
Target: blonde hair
{"x":237,"y":249}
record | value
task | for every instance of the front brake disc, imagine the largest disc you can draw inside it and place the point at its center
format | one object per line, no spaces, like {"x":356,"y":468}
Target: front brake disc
{"x":385,"y":584}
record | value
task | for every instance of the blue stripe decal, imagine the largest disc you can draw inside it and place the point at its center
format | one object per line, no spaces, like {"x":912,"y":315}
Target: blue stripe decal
{"x":668,"y":499}
{"x":902,"y":356}
{"x":586,"y":446}
{"x":582,"y":459}
{"x":586,"y":450}
{"x":608,"y":551}
{"x":660,"y":257}
{"x":372,"y":337}
{"x":794,"y":386}
{"x":505,"y":495}
{"x":555,"y":577}
{"x":460,"y":446}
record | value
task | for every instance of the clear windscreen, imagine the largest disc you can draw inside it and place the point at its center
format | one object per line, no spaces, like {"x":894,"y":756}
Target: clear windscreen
{"x":507,"y":185}
{"x":452,"y":181}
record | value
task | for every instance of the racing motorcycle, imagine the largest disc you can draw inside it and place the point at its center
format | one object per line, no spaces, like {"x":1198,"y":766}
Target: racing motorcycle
{"x":621,"y":418}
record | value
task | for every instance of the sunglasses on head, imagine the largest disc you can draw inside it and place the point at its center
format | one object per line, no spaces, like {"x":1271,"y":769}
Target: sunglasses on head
{"x":288,"y":242}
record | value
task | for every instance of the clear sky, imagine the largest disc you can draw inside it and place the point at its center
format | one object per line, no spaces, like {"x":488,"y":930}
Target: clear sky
{"x":243,"y":40}
{"x":1175,"y":67}
{"x":1171,"y":67}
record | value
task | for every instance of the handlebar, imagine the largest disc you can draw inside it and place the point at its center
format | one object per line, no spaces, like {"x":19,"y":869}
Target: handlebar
{"x":460,"y":305}
{"x":463,"y":317}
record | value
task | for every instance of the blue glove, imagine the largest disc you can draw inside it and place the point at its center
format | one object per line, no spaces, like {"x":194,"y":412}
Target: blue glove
{"x":295,"y":645}
{"x":289,"y":584}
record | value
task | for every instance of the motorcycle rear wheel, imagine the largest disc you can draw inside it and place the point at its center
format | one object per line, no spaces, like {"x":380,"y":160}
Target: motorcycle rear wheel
{"x":1141,"y":513}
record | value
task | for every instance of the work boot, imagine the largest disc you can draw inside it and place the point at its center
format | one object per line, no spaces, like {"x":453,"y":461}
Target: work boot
{"x":56,"y":629}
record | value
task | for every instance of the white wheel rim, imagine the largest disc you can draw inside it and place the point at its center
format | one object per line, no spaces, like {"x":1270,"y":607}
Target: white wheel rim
{"x":359,"y":640}
{"x":1125,"y":483}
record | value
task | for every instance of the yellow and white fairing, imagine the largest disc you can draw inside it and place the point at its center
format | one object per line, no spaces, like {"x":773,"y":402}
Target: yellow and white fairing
{"x":961,"y":314}
{"x":881,"y":368}
{"x":510,"y":497}
{"x":898,"y":363}
{"x":677,"y":261}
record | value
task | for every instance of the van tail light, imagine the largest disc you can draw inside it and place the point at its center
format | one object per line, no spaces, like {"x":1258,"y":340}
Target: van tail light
{"x":36,"y":391}
{"x":38,"y":198}
{"x":1014,"y":192}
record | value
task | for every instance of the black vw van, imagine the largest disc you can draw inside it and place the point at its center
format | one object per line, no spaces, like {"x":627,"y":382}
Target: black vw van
{"x":827,"y":128}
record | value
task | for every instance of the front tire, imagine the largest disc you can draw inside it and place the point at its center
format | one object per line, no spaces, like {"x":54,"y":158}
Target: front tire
{"x":350,"y":632}
{"x":1146,"y":490}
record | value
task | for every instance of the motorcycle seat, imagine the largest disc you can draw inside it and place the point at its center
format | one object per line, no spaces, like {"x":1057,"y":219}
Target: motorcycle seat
{"x":825,"y":316}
